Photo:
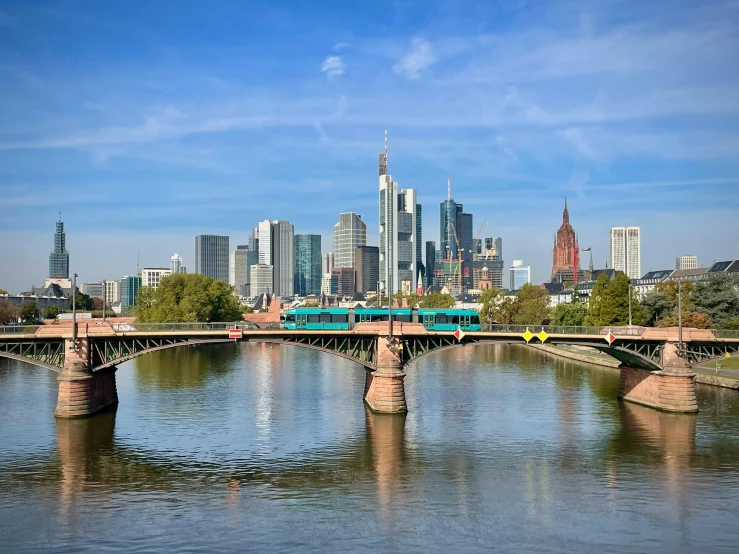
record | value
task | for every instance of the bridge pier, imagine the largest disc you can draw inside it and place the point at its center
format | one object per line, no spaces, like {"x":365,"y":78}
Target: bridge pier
{"x":384,"y":388}
{"x":672,"y":389}
{"x":82,"y":392}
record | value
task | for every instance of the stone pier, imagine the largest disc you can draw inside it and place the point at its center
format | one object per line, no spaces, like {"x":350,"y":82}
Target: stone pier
{"x":671,"y":390}
{"x":82,"y":392}
{"x":384,"y":389}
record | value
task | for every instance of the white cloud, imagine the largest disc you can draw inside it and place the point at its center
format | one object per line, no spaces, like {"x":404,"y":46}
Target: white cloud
{"x":419,"y":58}
{"x":333,"y":66}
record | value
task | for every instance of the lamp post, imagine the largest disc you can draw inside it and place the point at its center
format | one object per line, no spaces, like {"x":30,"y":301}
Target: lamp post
{"x":629,"y":302}
{"x":679,"y":316}
{"x":74,"y":309}
{"x":104,"y":299}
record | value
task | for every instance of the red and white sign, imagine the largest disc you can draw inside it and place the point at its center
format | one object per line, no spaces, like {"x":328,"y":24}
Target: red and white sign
{"x":235,"y":333}
{"x":610,"y":337}
{"x":459,"y":334}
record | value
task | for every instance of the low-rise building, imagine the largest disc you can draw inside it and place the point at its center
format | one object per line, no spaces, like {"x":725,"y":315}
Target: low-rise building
{"x":152,"y":276}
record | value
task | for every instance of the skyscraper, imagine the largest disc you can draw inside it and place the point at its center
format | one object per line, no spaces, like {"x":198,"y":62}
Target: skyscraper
{"x":130,"y":285}
{"x":328,"y":262}
{"x":566,"y":252}
{"x":456,"y":231}
{"x":398,"y":254}
{"x":261,"y":279}
{"x":307,"y":265}
{"x":175,"y":264}
{"x":238,"y":267}
{"x":430,"y":262}
{"x":277,"y":248}
{"x":349,"y":233}
{"x":367,"y":267}
{"x":211,"y":256}
{"x":519,"y":274}
{"x":626,"y":251}
{"x":59,"y":258}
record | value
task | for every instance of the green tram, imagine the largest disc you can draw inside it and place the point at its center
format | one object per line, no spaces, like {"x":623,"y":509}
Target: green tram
{"x":441,"y":319}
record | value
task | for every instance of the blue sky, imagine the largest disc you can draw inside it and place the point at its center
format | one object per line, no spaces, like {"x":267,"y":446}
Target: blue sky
{"x":146,"y":123}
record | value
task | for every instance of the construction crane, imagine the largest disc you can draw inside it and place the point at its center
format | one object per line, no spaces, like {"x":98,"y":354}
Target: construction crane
{"x":459,"y":255}
{"x":478,"y":241}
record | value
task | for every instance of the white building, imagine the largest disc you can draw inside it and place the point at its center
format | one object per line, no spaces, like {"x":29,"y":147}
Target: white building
{"x":238,"y":265}
{"x":329,"y":283}
{"x":151,"y":276}
{"x":626,"y":251}
{"x":112,"y":292}
{"x":93,"y":290}
{"x":175,"y":264}
{"x":276,"y":248}
{"x":349,"y":234}
{"x":519,"y":274}
{"x":328,"y":263}
{"x":398,"y":237}
{"x":261,"y":279}
{"x":686,"y":262}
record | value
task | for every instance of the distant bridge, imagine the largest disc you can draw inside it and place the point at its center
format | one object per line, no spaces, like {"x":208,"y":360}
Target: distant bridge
{"x":87,"y":364}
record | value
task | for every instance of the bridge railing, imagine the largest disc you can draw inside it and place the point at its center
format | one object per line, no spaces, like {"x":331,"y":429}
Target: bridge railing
{"x":563,"y":329}
{"x":18,"y":329}
{"x":726,"y":334}
{"x":174,"y":327}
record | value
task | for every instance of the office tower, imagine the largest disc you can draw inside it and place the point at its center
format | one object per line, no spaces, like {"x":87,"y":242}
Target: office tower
{"x":152,"y":276}
{"x":328,"y":263}
{"x":175,"y":264}
{"x":419,"y":238}
{"x":456,"y":231}
{"x":566,"y":252}
{"x":367,"y":268}
{"x":277,"y":248}
{"x":626,"y":251}
{"x":130,"y":285}
{"x":349,"y":233}
{"x":329,"y":283}
{"x":345,"y":280}
{"x":261,"y":279}
{"x":686,"y":262}
{"x":93,"y":290}
{"x":211,"y":256}
{"x":430,"y":262}
{"x":238,"y":267}
{"x":254,"y":240}
{"x":112,"y":292}
{"x":519,"y":274}
{"x":307,"y":265}
{"x":59,"y":258}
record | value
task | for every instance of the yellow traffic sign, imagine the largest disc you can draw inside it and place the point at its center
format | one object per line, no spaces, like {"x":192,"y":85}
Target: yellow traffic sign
{"x":727,"y":355}
{"x":528,"y":335}
{"x":543,"y":336}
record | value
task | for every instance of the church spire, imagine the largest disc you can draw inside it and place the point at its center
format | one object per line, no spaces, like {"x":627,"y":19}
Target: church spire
{"x":565,"y":214}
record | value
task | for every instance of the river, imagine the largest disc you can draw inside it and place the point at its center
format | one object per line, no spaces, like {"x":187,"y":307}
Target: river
{"x":247,"y":447}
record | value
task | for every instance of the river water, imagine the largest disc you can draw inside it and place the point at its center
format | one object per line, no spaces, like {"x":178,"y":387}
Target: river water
{"x":251,"y":448}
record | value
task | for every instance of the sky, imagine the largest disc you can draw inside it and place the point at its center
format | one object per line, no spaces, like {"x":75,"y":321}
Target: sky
{"x":147,"y":123}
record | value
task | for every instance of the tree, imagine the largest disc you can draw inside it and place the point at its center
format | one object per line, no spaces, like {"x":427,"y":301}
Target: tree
{"x":436,"y":300}
{"x":9,"y":312}
{"x":82,"y":301}
{"x":696,"y":320}
{"x":597,"y":298}
{"x":412,"y":299}
{"x":50,"y":312}
{"x":29,"y":312}
{"x":506,"y":312}
{"x":656,"y":305}
{"x":569,"y":313}
{"x":609,"y":302}
{"x":187,"y":297}
{"x":490,"y":300}
{"x":531,"y":305}
{"x":97,"y":303}
{"x":671,"y":287}
{"x":732,"y":324}
{"x":3,"y":291}
{"x":718,"y":297}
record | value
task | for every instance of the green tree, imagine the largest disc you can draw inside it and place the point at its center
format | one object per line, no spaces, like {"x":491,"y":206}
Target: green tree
{"x":436,"y":300}
{"x":732,"y":324}
{"x":597,"y":297}
{"x":490,"y":300}
{"x":569,"y":313}
{"x":412,"y":299}
{"x":29,"y":312}
{"x":50,"y":312}
{"x":9,"y":312}
{"x":187,"y":297}
{"x":718,"y":297}
{"x":506,"y":312}
{"x":609,"y":302}
{"x":655,"y":305}
{"x":671,"y":287}
{"x":531,"y":305}
{"x":3,"y":291}
{"x":696,"y":320}
{"x":82,"y":301}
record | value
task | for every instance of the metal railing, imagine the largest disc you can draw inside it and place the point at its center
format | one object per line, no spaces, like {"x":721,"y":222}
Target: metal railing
{"x":726,"y":333}
{"x":175,"y":327}
{"x":19,"y":329}
{"x":619,"y":330}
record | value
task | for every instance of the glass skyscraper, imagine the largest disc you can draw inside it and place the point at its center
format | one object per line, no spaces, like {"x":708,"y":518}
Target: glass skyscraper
{"x":307,"y":264}
{"x":211,"y":256}
{"x":349,"y":233}
{"x":130,"y":285}
{"x":59,"y":258}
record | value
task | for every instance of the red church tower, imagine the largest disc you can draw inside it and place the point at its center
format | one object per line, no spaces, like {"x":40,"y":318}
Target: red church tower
{"x":566,"y":253}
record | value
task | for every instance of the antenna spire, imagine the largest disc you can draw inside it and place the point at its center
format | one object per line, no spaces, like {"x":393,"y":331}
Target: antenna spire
{"x":386,"y":148}
{"x":448,"y":188}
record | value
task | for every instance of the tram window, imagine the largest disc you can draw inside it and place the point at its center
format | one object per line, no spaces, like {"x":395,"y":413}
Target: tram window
{"x":325,"y":317}
{"x":339,"y":318}
{"x":455,"y":319}
{"x":441,"y":318}
{"x":313,"y":318}
{"x":475,"y":320}
{"x":290,"y":318}
{"x":403,"y":318}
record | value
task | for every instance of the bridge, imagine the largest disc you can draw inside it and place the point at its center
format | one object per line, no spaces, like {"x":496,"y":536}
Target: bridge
{"x":655,"y":363}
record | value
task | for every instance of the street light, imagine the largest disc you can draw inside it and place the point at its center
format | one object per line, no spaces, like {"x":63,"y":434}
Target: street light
{"x":629,"y":302}
{"x":104,"y":298}
{"x":74,"y":310}
{"x":680,"y":316}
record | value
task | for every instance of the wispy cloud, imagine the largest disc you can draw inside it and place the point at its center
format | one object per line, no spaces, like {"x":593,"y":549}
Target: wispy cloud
{"x":420,"y":57}
{"x":333,"y":66}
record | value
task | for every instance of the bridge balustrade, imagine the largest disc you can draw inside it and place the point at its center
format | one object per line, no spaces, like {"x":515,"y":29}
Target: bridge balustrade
{"x":19,"y":329}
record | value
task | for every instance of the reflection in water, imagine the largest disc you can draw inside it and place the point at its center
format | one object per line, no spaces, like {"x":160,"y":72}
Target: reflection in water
{"x":386,"y":441}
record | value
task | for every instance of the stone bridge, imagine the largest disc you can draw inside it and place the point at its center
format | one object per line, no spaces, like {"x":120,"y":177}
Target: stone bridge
{"x":655,"y":371}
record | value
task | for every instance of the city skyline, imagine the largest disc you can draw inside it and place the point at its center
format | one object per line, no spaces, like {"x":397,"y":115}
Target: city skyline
{"x":617,"y":133}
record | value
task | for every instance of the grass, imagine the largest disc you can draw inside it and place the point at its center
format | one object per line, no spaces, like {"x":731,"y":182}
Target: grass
{"x":726,"y":363}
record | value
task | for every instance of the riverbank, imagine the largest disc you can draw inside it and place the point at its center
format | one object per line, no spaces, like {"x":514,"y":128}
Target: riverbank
{"x":727,"y":377}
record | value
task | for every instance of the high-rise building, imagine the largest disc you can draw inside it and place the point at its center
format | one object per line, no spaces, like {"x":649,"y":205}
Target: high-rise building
{"x":367,"y":267}
{"x":152,"y":276}
{"x":238,"y":267}
{"x":626,"y":251}
{"x":175,"y":264}
{"x":455,"y":232}
{"x":686,"y":262}
{"x":519,"y":274}
{"x":430,"y":262}
{"x":211,"y":256}
{"x":328,"y":263}
{"x":307,"y":265}
{"x":261,"y":279}
{"x":566,"y":252}
{"x":419,"y":240}
{"x":345,"y":280}
{"x":112,"y":292}
{"x":93,"y":290}
{"x":277,"y":248}
{"x":59,"y":258}
{"x":130,"y":285}
{"x":349,"y":233}
{"x":329,"y":283}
